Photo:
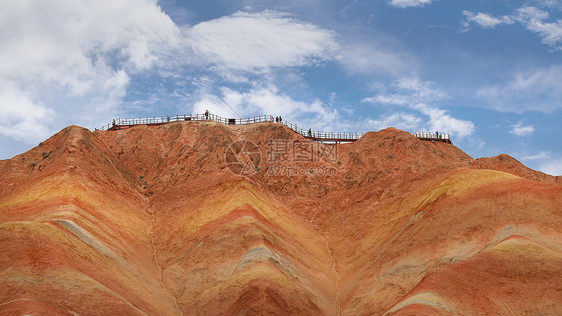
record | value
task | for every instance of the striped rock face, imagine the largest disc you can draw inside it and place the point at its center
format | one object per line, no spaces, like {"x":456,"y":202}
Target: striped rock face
{"x":176,"y":220}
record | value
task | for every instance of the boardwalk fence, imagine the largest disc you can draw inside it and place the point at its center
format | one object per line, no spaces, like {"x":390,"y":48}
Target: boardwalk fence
{"x":121,"y":123}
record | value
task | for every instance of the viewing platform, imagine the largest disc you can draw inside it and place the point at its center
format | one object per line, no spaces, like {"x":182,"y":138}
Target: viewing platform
{"x":331,"y":137}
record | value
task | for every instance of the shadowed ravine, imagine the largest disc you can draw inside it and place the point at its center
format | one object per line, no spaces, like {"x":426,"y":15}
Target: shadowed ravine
{"x":152,"y":220}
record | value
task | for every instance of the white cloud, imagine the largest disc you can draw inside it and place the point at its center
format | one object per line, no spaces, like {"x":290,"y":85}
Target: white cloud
{"x":400,"y":120}
{"x":415,"y":94}
{"x":538,"y":156}
{"x":256,"y":42}
{"x":522,"y":130}
{"x":545,"y":162}
{"x":20,"y":118}
{"x":552,"y":167}
{"x":422,"y":90}
{"x":358,"y":55}
{"x":533,"y":90}
{"x":261,"y":100}
{"x":70,"y":62}
{"x":409,"y":3}
{"x":410,"y":90}
{"x":532,"y":18}
{"x":551,"y":4}
{"x":485,"y":20}
{"x":441,"y":120}
{"x":395,"y":99}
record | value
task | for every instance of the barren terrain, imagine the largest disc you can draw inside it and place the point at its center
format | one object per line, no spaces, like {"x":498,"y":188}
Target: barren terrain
{"x":152,"y":220}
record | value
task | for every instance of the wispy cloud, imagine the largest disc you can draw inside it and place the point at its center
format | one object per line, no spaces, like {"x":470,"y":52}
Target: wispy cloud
{"x":545,"y":162}
{"x":358,"y":54}
{"x":409,"y":3}
{"x":532,"y":18}
{"x":552,"y":167}
{"x":409,"y":90}
{"x":522,"y":130}
{"x":401,"y":120}
{"x":538,"y":156}
{"x":533,"y":90}
{"x":484,"y":20}
{"x":550,"y":4}
{"x":418,"y":95}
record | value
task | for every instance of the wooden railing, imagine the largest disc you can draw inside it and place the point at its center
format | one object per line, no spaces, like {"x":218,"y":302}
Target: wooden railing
{"x":121,"y":123}
{"x":327,"y":136}
{"x":433,"y":136}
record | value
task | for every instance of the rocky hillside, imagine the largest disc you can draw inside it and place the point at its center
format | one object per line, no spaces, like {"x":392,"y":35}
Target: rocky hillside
{"x":201,"y":218}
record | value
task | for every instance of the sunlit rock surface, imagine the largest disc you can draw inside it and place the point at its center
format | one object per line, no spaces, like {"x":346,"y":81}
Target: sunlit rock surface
{"x":152,"y":220}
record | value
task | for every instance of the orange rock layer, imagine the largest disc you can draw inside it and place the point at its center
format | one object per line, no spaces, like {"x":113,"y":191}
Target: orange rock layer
{"x":153,"y":220}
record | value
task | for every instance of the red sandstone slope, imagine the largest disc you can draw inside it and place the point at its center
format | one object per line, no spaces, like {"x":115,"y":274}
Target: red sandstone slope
{"x":152,"y":220}
{"x":76,"y":233}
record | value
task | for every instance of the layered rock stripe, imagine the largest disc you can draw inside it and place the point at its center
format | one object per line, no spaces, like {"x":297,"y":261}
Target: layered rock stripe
{"x":151,"y":220}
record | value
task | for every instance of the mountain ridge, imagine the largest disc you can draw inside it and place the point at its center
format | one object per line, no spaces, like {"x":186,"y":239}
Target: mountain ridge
{"x":156,"y":215}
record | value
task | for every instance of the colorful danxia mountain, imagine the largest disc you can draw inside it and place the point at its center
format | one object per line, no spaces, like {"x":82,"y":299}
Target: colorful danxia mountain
{"x":204,"y":218}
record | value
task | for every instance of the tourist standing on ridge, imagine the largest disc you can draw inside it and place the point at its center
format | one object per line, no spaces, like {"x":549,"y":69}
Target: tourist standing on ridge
{"x":207,"y":114}
{"x":309,"y":132}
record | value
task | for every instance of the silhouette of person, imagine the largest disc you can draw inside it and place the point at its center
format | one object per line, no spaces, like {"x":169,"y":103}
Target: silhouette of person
{"x":207,"y":114}
{"x":309,"y":132}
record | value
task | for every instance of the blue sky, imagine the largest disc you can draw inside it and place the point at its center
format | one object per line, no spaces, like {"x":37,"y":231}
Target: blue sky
{"x":487,"y":72}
